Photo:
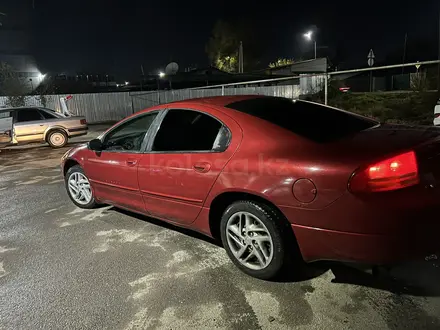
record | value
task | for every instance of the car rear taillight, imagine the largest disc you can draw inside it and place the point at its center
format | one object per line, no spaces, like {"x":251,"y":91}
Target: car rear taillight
{"x":436,"y":115}
{"x":393,"y":173}
{"x":83,"y":122}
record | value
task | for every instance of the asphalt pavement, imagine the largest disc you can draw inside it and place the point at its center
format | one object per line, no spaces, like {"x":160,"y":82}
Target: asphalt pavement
{"x":66,"y":268}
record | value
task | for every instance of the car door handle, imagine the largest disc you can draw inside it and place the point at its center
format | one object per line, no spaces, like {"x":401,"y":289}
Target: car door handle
{"x":202,"y":167}
{"x":131,"y":162}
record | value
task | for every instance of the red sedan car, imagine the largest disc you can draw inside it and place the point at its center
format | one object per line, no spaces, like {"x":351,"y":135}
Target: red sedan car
{"x":269,"y":175}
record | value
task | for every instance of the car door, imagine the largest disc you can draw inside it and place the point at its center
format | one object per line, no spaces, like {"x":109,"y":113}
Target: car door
{"x":113,"y":171}
{"x":183,"y":161}
{"x":6,"y":121}
{"x":29,"y":125}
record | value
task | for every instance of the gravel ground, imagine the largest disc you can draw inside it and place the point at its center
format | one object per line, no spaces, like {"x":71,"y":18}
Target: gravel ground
{"x":66,"y":268}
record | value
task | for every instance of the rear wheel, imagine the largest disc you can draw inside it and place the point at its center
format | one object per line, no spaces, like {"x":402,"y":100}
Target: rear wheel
{"x":57,"y":139}
{"x":79,"y":189}
{"x":252,"y":234}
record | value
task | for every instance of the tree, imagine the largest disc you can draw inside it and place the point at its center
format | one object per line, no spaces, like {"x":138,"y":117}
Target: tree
{"x":12,"y":86}
{"x":222,"y":47}
{"x":281,"y":62}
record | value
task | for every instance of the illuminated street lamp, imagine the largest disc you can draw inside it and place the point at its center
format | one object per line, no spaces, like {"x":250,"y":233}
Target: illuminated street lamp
{"x":161,"y":74}
{"x":308,"y":37}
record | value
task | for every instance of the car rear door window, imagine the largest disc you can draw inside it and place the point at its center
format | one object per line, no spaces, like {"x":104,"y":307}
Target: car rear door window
{"x":187,"y":130}
{"x":25,"y":115}
{"x":313,"y":121}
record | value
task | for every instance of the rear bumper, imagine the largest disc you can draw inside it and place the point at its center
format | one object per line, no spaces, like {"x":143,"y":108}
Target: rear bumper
{"x":382,"y":228}
{"x":319,"y":244}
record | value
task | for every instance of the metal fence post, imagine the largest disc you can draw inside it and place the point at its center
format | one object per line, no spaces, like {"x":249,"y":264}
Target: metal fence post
{"x":326,"y":88}
{"x":132,"y":103}
{"x":223,"y":90}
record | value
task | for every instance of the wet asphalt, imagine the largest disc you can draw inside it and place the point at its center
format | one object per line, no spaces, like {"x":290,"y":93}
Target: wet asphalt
{"x":66,"y":268}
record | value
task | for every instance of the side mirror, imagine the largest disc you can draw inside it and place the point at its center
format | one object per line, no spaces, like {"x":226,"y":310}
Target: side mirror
{"x":96,"y":145}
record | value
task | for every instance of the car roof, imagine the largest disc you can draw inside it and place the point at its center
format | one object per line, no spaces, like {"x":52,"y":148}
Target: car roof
{"x":18,"y":108}
{"x":219,"y":101}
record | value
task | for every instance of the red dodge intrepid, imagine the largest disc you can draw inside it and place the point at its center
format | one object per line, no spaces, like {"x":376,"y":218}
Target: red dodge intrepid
{"x":269,"y":175}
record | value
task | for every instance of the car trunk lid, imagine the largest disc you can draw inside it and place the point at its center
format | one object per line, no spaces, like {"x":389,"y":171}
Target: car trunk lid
{"x":385,"y":140}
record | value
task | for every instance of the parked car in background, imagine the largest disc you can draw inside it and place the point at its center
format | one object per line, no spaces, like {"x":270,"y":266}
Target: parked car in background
{"x":273,"y":179}
{"x":437,"y":114}
{"x":34,"y":124}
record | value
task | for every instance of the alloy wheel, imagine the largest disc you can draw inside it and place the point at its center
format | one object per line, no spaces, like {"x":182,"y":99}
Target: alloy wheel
{"x":249,"y":240}
{"x":79,"y":188}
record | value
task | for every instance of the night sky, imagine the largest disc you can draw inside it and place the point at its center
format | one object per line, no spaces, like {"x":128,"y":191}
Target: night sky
{"x":117,"y":36}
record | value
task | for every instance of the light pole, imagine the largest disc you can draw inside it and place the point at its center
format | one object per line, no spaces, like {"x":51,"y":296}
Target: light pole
{"x":308,"y":37}
{"x":160,"y":75}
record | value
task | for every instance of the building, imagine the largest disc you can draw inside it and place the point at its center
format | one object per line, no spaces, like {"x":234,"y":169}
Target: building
{"x":319,"y":65}
{"x":15,"y":45}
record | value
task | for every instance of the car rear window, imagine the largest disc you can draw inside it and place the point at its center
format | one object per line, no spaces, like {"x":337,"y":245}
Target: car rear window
{"x":49,"y":113}
{"x":313,"y":121}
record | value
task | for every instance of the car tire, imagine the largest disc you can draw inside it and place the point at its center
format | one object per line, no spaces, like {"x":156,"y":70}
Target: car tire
{"x":57,"y":138}
{"x":266,"y":233}
{"x":77,"y":181}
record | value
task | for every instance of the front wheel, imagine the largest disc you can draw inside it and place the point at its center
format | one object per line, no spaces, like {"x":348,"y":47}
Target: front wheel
{"x":79,"y":189}
{"x":252,"y":234}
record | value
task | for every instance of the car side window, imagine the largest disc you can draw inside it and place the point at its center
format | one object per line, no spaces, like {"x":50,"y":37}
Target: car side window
{"x":47,"y":115}
{"x":187,"y":130}
{"x":24,"y":115}
{"x":129,"y":136}
{"x":6,"y":114}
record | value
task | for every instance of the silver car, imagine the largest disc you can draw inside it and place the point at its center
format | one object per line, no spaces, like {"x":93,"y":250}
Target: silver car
{"x":34,"y":124}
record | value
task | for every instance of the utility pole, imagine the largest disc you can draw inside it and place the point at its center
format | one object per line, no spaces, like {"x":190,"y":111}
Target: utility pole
{"x":142,"y":77}
{"x":240,"y":58}
{"x":371,"y":58}
{"x":404,"y":52}
{"x":438,"y":70}
{"x":315,"y":49}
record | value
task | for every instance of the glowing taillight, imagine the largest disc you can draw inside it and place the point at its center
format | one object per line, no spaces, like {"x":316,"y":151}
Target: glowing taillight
{"x":393,"y":173}
{"x":436,"y":115}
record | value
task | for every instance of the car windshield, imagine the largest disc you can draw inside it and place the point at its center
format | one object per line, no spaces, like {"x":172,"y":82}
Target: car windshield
{"x":310,"y":120}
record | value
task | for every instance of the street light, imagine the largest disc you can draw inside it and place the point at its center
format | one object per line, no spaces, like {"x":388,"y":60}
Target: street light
{"x":161,"y":74}
{"x":308,"y":37}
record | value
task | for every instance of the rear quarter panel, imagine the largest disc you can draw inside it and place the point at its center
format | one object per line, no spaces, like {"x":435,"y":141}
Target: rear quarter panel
{"x":270,"y":160}
{"x":64,"y":124}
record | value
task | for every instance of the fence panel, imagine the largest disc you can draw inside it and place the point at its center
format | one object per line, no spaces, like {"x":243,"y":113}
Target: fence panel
{"x":148,"y":99}
{"x":101,"y":107}
{"x":95,"y":107}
